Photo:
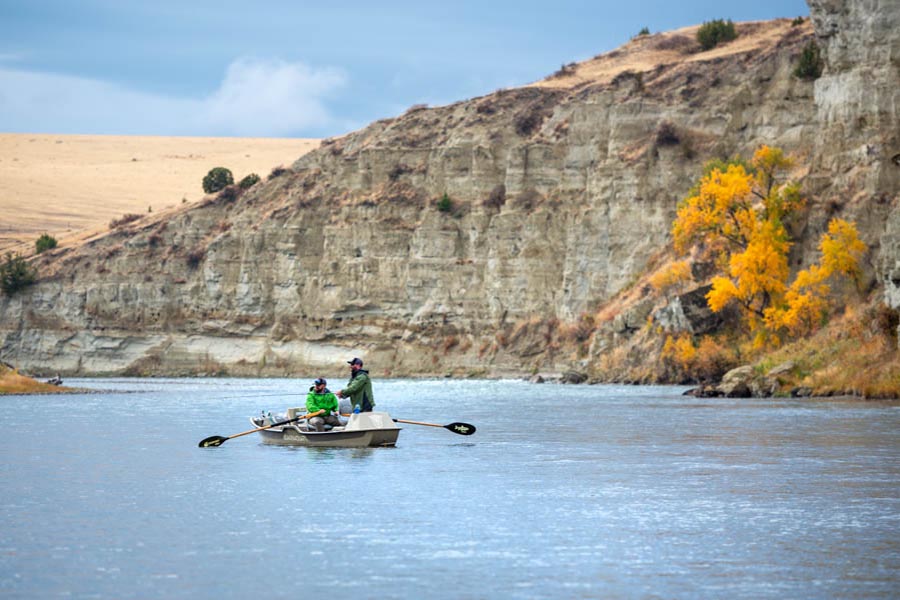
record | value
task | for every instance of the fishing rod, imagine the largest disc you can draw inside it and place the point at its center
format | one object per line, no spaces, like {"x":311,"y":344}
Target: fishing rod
{"x":263,"y":396}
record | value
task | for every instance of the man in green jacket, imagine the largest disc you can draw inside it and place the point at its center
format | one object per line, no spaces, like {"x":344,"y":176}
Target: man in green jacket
{"x":359,"y":388}
{"x":321,"y":398}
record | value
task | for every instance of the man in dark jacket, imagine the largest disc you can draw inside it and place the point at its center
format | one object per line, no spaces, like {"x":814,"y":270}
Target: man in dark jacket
{"x":359,"y":388}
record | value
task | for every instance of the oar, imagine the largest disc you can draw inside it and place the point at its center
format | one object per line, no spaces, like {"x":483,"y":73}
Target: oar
{"x":218,"y":440}
{"x":460,"y":428}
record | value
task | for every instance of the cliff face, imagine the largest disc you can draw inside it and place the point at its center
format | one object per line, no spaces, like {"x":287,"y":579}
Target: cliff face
{"x":561,"y":193}
{"x":857,"y":153}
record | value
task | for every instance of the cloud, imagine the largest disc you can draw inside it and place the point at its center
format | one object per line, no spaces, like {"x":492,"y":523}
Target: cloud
{"x":256,"y":98}
{"x":265,"y":98}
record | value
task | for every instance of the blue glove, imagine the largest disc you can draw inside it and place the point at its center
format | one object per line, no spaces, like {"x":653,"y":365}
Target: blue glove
{"x":356,"y":410}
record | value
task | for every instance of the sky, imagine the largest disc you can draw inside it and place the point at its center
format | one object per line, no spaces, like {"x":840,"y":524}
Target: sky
{"x":279,"y":68}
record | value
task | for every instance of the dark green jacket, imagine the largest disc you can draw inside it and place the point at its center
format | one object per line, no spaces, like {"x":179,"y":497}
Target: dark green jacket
{"x":359,"y":390}
{"x":325,"y":400}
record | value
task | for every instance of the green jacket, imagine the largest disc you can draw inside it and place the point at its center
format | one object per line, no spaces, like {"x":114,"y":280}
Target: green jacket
{"x":359,"y":390}
{"x":326,"y":400}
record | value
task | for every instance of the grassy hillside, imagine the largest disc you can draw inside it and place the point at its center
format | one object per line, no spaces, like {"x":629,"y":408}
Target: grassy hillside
{"x":13,"y":382}
{"x":71,"y":185}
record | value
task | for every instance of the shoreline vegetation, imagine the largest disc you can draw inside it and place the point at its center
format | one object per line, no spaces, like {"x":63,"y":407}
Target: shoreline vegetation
{"x":14,"y":383}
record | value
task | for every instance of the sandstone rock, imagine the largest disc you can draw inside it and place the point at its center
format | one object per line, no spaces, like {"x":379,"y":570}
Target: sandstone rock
{"x":784,"y":367}
{"x":636,"y":316}
{"x":736,"y":382}
{"x":763,"y":387}
{"x":704,"y":391}
{"x":573,"y":377}
{"x":688,"y":312}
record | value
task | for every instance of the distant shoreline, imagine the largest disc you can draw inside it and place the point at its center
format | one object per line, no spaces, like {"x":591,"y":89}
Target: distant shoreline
{"x":841,"y":398}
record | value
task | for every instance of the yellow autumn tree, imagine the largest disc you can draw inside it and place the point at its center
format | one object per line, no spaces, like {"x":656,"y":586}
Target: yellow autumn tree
{"x":736,"y":215}
{"x":806,"y":300}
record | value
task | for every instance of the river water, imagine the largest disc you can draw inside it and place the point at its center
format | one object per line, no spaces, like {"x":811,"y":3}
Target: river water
{"x":563,"y":492}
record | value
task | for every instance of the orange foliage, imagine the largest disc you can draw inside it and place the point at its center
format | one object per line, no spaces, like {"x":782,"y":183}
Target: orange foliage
{"x":679,"y":352}
{"x":739,"y":216}
{"x":716,"y":212}
{"x":805,"y":303}
{"x":706,"y":361}
{"x":768,"y":161}
{"x":842,"y":250}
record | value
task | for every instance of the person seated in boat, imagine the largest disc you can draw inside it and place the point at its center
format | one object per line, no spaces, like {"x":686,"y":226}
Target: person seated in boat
{"x":359,"y":388}
{"x":321,"y":398}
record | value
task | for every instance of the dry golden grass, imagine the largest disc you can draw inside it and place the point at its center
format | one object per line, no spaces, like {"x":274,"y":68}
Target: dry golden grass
{"x":11,"y":382}
{"x":72,"y":186}
{"x":852,"y":355}
{"x":645,"y":53}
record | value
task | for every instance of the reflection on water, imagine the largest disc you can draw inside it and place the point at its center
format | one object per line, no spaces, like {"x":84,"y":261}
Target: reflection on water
{"x":318,"y":454}
{"x":615,"y":491}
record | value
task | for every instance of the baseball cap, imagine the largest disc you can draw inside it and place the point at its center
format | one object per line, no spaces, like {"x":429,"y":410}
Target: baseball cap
{"x":320,"y":380}
{"x":355,"y":361}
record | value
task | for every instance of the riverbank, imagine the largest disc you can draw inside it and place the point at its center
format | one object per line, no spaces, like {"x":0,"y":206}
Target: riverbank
{"x":12,"y":382}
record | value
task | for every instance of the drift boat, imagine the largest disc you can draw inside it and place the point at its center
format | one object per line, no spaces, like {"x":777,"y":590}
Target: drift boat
{"x":362,"y":430}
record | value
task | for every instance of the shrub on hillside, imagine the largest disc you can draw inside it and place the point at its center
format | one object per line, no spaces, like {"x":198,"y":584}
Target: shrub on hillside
{"x":249,"y":181}
{"x":45,"y":242}
{"x":217,"y":179}
{"x":715,"y":32}
{"x":277,"y":172}
{"x":527,"y":122}
{"x":643,"y":31}
{"x":445,"y":204}
{"x":528,"y":199}
{"x":123,"y":220}
{"x":886,"y":321}
{"x":15,"y":274}
{"x":497,"y":197}
{"x":195,"y":257}
{"x":565,"y":70}
{"x":398,"y":170}
{"x":229,"y":193}
{"x":666,"y":135}
{"x":810,"y":64}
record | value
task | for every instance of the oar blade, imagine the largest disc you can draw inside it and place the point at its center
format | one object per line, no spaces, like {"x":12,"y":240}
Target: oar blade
{"x":461,"y":428}
{"x":212,"y":441}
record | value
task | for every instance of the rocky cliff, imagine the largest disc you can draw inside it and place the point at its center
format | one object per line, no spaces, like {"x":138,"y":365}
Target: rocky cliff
{"x":560,"y":195}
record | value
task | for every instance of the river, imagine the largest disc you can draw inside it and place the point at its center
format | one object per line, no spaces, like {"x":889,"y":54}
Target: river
{"x":563,"y":492}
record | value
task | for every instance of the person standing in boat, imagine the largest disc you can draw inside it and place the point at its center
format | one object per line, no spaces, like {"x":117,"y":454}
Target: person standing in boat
{"x":321,"y":398}
{"x":359,"y":388}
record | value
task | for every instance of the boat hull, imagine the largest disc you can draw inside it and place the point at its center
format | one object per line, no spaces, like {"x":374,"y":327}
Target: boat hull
{"x":364,"y":430}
